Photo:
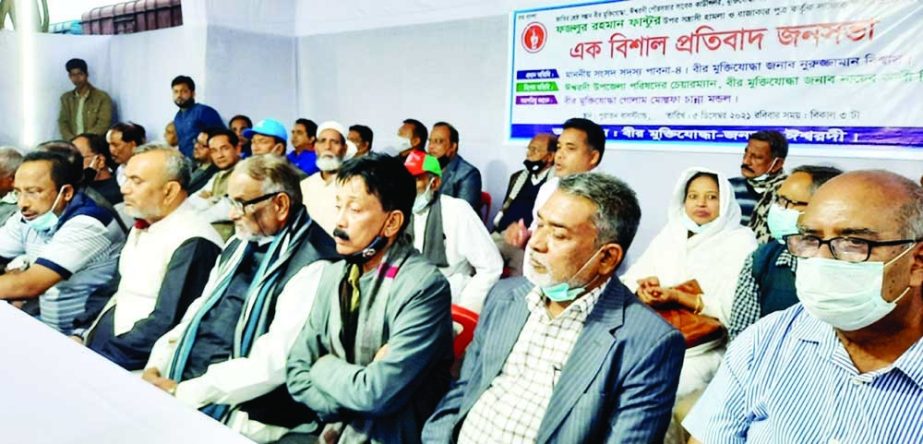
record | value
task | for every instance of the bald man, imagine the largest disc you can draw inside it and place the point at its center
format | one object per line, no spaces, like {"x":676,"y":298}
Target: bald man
{"x":846,"y":364}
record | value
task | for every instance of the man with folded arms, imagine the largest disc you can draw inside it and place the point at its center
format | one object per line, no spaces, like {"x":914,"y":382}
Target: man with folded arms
{"x":227,"y":356}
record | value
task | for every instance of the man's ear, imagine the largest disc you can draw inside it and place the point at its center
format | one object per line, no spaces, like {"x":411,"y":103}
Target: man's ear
{"x":916,"y":268}
{"x":394,"y":223}
{"x":778,"y":165}
{"x":612,"y":255}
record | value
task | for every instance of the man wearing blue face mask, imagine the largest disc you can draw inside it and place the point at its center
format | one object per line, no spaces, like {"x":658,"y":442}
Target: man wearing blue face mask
{"x":451,"y":236}
{"x":766,"y":283}
{"x":69,"y":244}
{"x":846,"y":365}
{"x":570,"y":356}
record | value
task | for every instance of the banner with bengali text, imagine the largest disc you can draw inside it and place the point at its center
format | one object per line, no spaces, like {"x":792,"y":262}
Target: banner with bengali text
{"x":823,"y":72}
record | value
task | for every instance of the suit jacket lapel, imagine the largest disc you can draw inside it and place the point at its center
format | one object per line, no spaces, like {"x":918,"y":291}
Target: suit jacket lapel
{"x":587,"y":356}
{"x":504,"y":333}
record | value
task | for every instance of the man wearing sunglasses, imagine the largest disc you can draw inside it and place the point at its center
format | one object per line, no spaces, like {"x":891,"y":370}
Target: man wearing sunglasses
{"x":846,"y":365}
{"x":227,"y":356}
{"x":766,"y":283}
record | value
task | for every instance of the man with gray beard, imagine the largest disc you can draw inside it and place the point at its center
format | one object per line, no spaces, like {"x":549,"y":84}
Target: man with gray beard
{"x":319,"y":189}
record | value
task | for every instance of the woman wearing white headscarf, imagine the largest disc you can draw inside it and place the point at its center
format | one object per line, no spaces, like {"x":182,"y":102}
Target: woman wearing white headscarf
{"x":703,"y":240}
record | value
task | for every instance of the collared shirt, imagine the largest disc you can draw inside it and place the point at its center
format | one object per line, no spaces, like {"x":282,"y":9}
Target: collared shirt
{"x":511,"y":410}
{"x":746,"y":307}
{"x":789,"y":379}
{"x":306,"y":161}
{"x":189,"y":122}
{"x":83,"y":249}
{"x":81,"y":101}
{"x":320,"y":200}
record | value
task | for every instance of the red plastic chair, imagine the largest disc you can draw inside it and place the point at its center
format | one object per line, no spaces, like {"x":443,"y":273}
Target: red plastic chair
{"x":468,"y":320}
{"x":485,"y":206}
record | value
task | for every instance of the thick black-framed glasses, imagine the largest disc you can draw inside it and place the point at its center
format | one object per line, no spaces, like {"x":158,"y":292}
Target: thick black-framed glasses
{"x":241,"y":206}
{"x":786,"y":203}
{"x":843,"y":248}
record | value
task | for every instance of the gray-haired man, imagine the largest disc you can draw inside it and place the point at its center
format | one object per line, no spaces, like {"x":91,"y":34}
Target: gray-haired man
{"x":570,"y":356}
{"x":164,"y":264}
{"x":10,"y":159}
{"x":227,"y":355}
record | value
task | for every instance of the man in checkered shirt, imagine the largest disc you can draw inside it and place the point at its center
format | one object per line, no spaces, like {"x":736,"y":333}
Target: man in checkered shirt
{"x":570,"y":356}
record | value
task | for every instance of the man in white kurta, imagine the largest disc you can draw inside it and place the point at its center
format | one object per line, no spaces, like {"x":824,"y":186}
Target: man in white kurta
{"x":455,"y":240}
{"x":164,"y":264}
{"x":319,"y":189}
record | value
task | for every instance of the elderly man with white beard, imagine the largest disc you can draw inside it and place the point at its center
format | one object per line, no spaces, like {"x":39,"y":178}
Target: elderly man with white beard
{"x":319,"y":189}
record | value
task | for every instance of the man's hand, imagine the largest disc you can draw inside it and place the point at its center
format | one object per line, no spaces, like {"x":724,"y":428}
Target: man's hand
{"x":381,"y":354}
{"x":517,"y":234}
{"x":152,"y":375}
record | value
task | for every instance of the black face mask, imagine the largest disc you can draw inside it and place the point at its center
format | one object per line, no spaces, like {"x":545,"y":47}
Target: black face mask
{"x":89,"y":175}
{"x":362,"y":256}
{"x":534,"y":166}
{"x":443,"y":161}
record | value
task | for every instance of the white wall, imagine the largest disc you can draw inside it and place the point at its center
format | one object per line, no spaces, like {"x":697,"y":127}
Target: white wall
{"x":251,"y":73}
{"x":51,"y":53}
{"x":144,"y":64}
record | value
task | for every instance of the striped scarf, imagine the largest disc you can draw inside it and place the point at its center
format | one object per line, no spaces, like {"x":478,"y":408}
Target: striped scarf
{"x":254,"y":319}
{"x":768,"y":188}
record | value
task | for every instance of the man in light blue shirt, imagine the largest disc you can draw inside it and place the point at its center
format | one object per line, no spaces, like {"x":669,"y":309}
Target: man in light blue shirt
{"x":846,"y":364}
{"x":66,"y":245}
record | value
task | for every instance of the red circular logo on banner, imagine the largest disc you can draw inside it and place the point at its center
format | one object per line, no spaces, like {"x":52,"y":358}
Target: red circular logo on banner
{"x":534,"y":37}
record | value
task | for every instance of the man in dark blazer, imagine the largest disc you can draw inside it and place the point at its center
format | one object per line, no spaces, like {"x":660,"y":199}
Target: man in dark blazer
{"x":571,"y":356}
{"x":459,"y":178}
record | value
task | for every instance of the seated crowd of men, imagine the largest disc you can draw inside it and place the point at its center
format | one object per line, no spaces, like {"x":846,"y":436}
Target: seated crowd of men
{"x":309,"y":297}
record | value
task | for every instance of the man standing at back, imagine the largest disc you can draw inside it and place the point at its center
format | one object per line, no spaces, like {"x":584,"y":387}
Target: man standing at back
{"x":192,"y":118}
{"x":459,"y":178}
{"x":86,"y":109}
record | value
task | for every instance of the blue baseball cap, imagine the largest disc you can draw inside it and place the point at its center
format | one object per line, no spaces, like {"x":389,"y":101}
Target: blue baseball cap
{"x":268,"y":127}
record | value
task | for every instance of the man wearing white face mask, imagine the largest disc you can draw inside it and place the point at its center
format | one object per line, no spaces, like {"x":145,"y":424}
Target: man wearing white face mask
{"x":70,"y":244}
{"x":766,"y":283}
{"x":762,"y":173}
{"x":846,"y":365}
{"x":571,"y":356}
{"x":319,"y":189}
{"x":451,"y":236}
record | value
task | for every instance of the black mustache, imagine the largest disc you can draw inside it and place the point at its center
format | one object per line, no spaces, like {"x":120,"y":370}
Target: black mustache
{"x":338,"y":233}
{"x":745,"y":167}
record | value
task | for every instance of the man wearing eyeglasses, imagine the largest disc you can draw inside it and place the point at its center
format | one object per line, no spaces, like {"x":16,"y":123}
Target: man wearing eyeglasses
{"x":227,"y":356}
{"x":846,"y":365}
{"x":164,"y":264}
{"x":225,"y":153}
{"x":766,"y":283}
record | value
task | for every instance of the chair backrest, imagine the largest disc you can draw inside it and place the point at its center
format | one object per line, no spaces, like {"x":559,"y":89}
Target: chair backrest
{"x":468,"y":321}
{"x":485,"y":206}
